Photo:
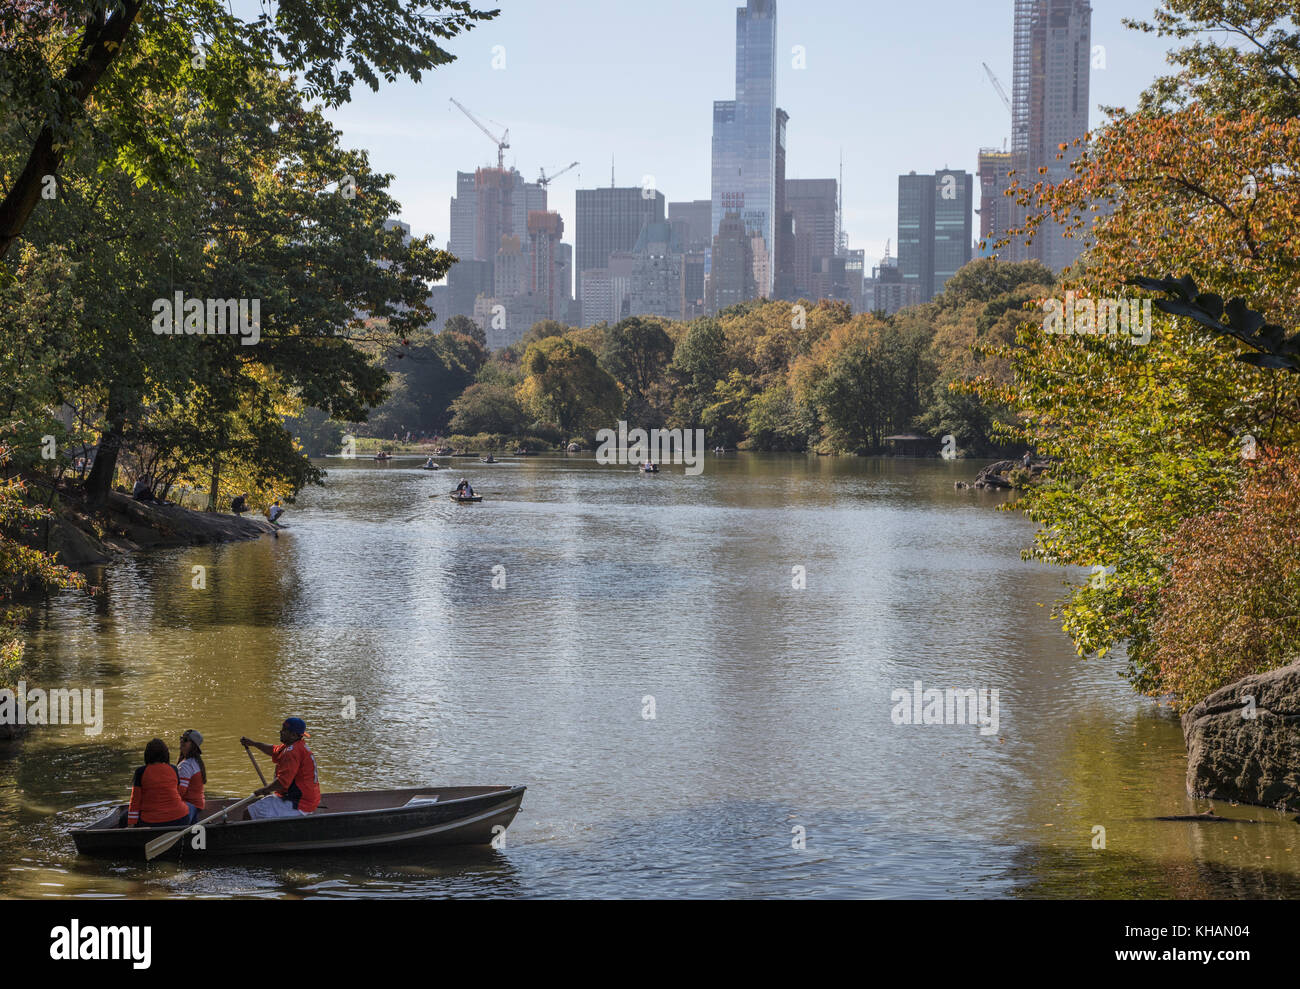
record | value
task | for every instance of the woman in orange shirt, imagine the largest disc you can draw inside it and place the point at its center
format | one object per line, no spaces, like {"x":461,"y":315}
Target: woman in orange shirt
{"x":156,"y":791}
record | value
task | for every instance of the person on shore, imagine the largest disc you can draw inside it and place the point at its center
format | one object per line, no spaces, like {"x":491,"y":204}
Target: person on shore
{"x":192,"y":772}
{"x":239,"y":504}
{"x":156,"y":791}
{"x":295,"y":791}
{"x":274,"y":513}
{"x":1027,"y":459}
{"x":143,"y":490}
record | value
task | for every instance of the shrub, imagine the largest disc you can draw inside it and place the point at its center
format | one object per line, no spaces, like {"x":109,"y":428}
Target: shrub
{"x":1231,"y":606}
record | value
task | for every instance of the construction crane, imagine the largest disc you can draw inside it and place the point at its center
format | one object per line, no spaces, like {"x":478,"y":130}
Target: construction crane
{"x":999,"y":87}
{"x":501,"y":142}
{"x":544,"y":180}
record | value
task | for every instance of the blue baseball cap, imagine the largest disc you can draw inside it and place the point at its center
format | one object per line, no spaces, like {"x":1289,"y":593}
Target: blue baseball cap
{"x":296,"y":725}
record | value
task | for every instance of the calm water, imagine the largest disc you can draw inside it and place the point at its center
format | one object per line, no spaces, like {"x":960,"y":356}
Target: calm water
{"x":772,"y":705}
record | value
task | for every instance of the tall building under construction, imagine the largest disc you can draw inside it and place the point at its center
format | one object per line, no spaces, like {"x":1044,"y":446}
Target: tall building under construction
{"x":1050,"y":108}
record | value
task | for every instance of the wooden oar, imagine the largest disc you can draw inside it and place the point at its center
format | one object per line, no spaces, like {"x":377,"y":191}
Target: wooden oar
{"x":249,"y":750}
{"x":160,"y":845}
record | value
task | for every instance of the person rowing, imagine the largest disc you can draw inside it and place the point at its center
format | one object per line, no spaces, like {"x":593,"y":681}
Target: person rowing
{"x":295,"y":791}
{"x":464,"y":489}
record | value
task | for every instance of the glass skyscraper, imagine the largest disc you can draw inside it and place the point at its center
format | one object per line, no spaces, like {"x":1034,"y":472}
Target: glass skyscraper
{"x":744,"y":133}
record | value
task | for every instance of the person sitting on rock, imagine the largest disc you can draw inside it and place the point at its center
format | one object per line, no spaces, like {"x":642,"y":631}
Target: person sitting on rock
{"x":239,"y":504}
{"x":143,"y":490}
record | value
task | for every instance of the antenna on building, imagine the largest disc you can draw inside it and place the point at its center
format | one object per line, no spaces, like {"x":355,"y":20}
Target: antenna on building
{"x":841,"y":247}
{"x":611,"y":171}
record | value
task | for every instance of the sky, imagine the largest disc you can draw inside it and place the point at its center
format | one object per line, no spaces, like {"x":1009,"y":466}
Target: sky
{"x":896,"y":86}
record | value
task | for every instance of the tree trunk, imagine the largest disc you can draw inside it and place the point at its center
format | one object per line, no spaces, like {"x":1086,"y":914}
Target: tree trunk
{"x":101,"y":43}
{"x":215,"y":486}
{"x":100,"y":481}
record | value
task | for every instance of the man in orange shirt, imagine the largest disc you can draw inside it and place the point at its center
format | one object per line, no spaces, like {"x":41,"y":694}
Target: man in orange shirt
{"x":295,"y":791}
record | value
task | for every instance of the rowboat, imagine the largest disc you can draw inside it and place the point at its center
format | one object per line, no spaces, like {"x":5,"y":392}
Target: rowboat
{"x":649,"y":470}
{"x":471,"y":500}
{"x":367,"y":821}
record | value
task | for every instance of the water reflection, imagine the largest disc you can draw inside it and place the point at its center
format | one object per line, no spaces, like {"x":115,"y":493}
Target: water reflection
{"x":772,"y":703}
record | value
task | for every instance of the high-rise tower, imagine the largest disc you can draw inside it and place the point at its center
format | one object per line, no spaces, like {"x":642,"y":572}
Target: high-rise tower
{"x":745,"y":134}
{"x":1050,"y":107}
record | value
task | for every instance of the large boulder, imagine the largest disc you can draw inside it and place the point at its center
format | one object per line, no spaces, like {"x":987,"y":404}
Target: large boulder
{"x":1243,"y":741}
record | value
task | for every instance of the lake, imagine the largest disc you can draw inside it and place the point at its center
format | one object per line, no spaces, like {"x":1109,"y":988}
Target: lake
{"x":689,"y":722}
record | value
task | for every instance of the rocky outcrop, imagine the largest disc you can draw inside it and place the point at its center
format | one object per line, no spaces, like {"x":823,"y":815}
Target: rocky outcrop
{"x":81,"y":538}
{"x":1243,"y":741}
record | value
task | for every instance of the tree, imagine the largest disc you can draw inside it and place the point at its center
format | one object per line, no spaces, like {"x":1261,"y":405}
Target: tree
{"x":1231,"y":604}
{"x":540,"y":330}
{"x":488,"y":408}
{"x":23,"y":570}
{"x":1245,"y":59}
{"x":466,"y":327}
{"x":249,"y":223}
{"x":1145,"y":435}
{"x":864,"y":381}
{"x":565,"y":383}
{"x":699,"y":363}
{"x":59,"y":56}
{"x":637,"y":352}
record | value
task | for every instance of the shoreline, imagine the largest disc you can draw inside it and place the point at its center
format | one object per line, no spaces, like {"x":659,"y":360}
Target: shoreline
{"x":80,"y":537}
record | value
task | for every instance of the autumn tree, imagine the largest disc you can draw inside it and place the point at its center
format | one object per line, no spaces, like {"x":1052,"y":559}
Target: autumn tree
{"x":1231,"y":603}
{"x":564,"y":383}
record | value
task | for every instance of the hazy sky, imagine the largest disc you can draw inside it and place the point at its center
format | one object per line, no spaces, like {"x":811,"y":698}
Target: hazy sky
{"x":897,"y":85}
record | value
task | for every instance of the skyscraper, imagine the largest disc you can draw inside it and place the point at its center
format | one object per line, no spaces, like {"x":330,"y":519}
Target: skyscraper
{"x":813,"y":205}
{"x":995,"y":206}
{"x":1052,"y":61}
{"x":692,"y":223}
{"x":745,"y":133}
{"x":610,"y":220}
{"x":934,"y":228}
{"x":464,"y":219}
{"x":731,"y":280}
{"x":783,"y":273}
{"x":545,"y":230}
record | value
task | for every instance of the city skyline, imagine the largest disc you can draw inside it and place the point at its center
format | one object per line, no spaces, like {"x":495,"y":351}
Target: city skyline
{"x":951,"y":110}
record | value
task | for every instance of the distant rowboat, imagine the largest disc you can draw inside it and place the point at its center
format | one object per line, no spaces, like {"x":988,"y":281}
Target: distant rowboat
{"x":362,"y":822}
{"x":471,"y":500}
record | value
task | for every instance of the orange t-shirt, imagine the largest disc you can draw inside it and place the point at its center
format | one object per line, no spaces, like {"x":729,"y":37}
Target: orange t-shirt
{"x":156,"y":795}
{"x":191,"y":782}
{"x":295,"y":770}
